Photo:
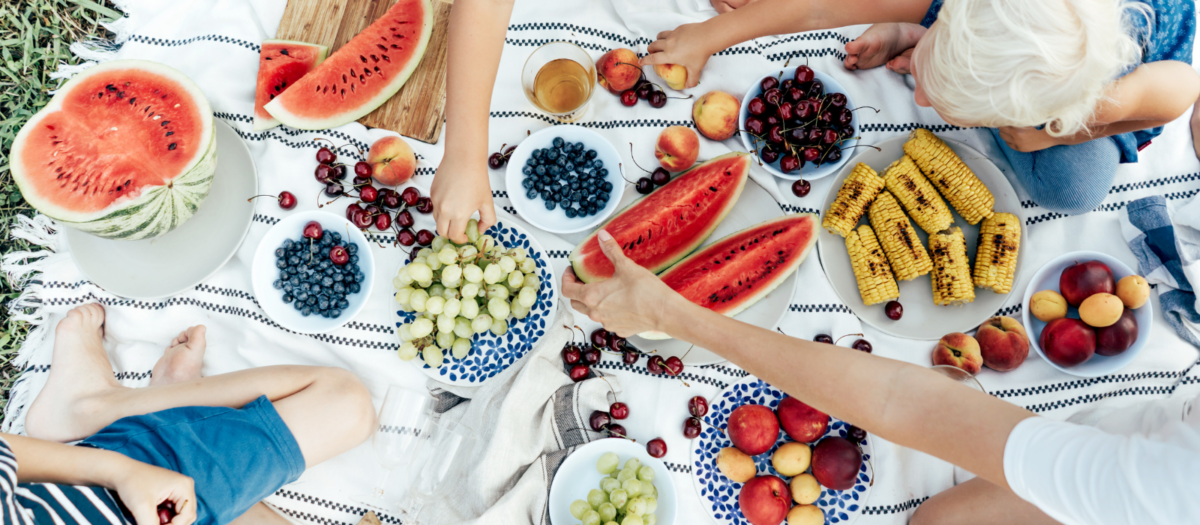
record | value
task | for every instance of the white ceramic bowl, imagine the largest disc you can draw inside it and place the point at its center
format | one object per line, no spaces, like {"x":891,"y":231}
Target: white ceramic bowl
{"x":534,"y":210}
{"x":577,"y":475}
{"x":806,"y":172}
{"x":263,"y":272}
{"x":1047,"y":279}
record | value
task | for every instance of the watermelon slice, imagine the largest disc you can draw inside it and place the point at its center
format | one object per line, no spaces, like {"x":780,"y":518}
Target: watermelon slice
{"x":125,"y":150}
{"x":280,"y":64}
{"x":664,"y":226}
{"x":361,"y":75}
{"x":732,"y":274}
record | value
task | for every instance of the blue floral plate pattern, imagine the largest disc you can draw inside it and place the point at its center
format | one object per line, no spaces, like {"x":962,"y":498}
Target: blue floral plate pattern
{"x":720,"y":493}
{"x":491,"y":354}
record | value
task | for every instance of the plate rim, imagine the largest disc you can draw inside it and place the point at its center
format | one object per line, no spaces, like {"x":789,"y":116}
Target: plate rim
{"x":621,"y":443}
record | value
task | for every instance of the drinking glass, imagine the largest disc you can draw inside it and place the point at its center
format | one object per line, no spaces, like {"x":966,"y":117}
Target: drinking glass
{"x":578,"y":87}
{"x":403,"y":420}
{"x":444,"y":451}
{"x":960,"y":375}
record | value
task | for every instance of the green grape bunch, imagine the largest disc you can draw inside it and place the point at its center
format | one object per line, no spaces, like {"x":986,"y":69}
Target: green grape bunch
{"x":460,"y":290}
{"x":626,"y":496}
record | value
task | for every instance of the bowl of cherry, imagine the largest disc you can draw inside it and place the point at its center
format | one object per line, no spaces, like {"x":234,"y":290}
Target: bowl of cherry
{"x":798,"y":122}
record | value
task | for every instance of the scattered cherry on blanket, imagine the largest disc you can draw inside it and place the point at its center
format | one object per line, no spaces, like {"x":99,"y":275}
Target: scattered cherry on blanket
{"x":698,"y":406}
{"x":410,"y":196}
{"x":599,"y":419}
{"x":389,"y":198}
{"x":326,"y":156}
{"x":616,"y":343}
{"x":383,"y":221}
{"x":855,"y":434}
{"x":338,"y":255}
{"x":425,"y":237}
{"x":894,"y":310}
{"x":617,"y":431}
{"x":338,"y":171}
{"x":334,"y":189}
{"x":674,"y":365}
{"x":313,"y":230}
{"x":372,"y":210}
{"x":643,"y":88}
{"x":323,"y":173}
{"x":656,"y":447}
{"x":619,"y":410}
{"x":591,"y":356}
{"x":630,"y":357}
{"x":425,"y":205}
{"x":788,"y":164}
{"x":599,"y":338}
{"x":362,"y":169}
{"x":498,"y":159}
{"x":801,"y":188}
{"x":657,"y":99}
{"x":358,"y":181}
{"x":363,"y":219}
{"x":629,"y":98}
{"x":571,"y":355}
{"x":404,"y":219}
{"x":862,"y":345}
{"x":660,"y":177}
{"x":804,"y":74}
{"x":644,"y":186}
{"x":368,"y":193}
{"x":656,"y":364}
{"x":406,"y":237}
{"x":580,"y":372}
{"x":692,"y":428}
{"x":824,"y":338}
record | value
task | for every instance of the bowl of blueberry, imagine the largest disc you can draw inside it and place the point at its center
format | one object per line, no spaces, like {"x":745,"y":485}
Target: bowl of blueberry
{"x":565,"y":179}
{"x":312,"y":272}
{"x":799,"y":122}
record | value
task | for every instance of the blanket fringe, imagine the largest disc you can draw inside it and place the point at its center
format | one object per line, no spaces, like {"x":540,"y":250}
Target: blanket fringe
{"x":96,"y":50}
{"x":20,"y":268}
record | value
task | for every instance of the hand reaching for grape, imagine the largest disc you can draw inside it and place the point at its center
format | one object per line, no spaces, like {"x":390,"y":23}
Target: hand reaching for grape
{"x":458,"y":191}
{"x":632,"y":301}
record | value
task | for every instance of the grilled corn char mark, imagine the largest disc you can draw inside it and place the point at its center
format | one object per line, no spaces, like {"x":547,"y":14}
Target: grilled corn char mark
{"x":871,"y":269}
{"x":996,"y":257}
{"x":951,"y":275}
{"x":918,"y":195}
{"x":905,"y":252}
{"x":969,"y":196}
{"x":857,"y":193}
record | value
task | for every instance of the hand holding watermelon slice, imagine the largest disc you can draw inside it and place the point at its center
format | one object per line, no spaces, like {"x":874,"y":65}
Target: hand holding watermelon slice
{"x":632,"y":301}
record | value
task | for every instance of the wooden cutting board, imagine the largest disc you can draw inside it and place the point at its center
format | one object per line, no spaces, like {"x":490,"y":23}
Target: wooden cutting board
{"x":419,"y":109}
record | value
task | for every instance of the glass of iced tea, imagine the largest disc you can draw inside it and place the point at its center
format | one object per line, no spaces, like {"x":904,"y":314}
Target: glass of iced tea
{"x":559,"y":78}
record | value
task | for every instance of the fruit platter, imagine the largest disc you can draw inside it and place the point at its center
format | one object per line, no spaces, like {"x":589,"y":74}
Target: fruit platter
{"x":612,"y":480}
{"x":906,"y":256}
{"x":1087,"y":313}
{"x":764,"y":457}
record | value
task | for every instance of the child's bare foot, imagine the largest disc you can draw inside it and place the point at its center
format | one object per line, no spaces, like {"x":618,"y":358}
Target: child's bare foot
{"x":183,"y":360}
{"x":80,"y":375}
{"x":1196,"y":128}
{"x":725,"y":6}
{"x":880,"y":43}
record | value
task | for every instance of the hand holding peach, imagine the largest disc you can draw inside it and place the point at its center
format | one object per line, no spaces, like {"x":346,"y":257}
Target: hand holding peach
{"x":674,"y":75}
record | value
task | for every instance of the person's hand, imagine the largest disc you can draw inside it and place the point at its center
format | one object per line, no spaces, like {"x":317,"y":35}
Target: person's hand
{"x":1027,"y":139}
{"x":888,"y":44}
{"x":143,"y":487}
{"x":459,"y":190}
{"x":686,"y":46}
{"x":632,"y":301}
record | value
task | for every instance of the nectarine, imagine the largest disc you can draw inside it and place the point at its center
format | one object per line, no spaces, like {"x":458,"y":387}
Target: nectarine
{"x":765,"y":500}
{"x":618,"y":70}
{"x":677,"y":148}
{"x":392,"y":161}
{"x":715,"y":115}
{"x":800,"y":421}
{"x":835,"y":462}
{"x":1002,"y":343}
{"x":1068,"y":341}
{"x":1082,"y":280}
{"x":753,"y":429}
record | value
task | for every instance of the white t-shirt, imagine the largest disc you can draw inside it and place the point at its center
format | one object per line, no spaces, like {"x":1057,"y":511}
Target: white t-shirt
{"x":1142,"y":465}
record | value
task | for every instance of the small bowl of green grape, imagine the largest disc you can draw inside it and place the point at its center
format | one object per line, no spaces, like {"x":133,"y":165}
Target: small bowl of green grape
{"x":612,"y":480}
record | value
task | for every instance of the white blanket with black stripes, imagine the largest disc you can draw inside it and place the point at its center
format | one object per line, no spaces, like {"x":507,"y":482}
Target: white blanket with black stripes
{"x":216,"y":43}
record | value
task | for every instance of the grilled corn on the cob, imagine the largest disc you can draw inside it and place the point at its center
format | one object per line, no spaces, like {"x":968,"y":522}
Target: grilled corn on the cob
{"x":918,"y":196}
{"x":996,"y":255}
{"x":950,"y":176}
{"x":904,"y":250}
{"x":871,"y":269}
{"x":857,"y":192}
{"x":951,"y":271}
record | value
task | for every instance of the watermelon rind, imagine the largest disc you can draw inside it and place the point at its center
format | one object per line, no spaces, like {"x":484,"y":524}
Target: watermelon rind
{"x":278,"y":107}
{"x":156,"y":210}
{"x":684,"y":249}
{"x":321,"y":52}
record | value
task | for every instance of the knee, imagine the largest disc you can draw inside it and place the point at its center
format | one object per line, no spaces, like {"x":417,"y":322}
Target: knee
{"x":927,"y":514}
{"x":350,"y":402}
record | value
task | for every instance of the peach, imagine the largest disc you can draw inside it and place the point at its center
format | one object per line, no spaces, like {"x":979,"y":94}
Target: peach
{"x":800,"y":421}
{"x":674,"y":75}
{"x":715,"y":115}
{"x":805,"y":489}
{"x":753,"y":429}
{"x":1048,"y":305}
{"x":835,"y":462}
{"x":677,"y":148}
{"x":1082,"y":280}
{"x":960,"y":350}
{"x":1101,"y":310}
{"x":392,"y":161}
{"x":1134,"y":291}
{"x":806,"y":515}
{"x":791,"y":458}
{"x":765,"y":500}
{"x":618,"y":70}
{"x":1002,"y":343}
{"x":736,"y":465}
{"x":1068,"y":341}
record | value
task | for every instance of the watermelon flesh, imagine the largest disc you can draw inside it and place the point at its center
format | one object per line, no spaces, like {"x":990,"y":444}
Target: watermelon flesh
{"x":361,"y":75}
{"x":125,"y":150}
{"x":664,"y":226}
{"x":280,"y":64}
{"x":730,"y":275}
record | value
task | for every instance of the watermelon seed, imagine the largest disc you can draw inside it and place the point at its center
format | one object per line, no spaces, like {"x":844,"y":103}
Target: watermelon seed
{"x":132,"y":100}
{"x":171,"y":147}
{"x":363,"y":58}
{"x":283,"y":51}
{"x":266,"y":58}
{"x":110,"y":87}
{"x":169,"y":133}
{"x":382,"y":47}
{"x":386,"y":59}
{"x":120,"y":95}
{"x":164,"y":123}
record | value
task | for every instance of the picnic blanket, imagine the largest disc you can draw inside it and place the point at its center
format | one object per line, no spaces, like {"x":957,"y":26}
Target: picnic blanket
{"x":532,"y":413}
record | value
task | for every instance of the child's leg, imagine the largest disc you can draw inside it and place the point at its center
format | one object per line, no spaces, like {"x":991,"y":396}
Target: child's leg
{"x":978,"y":502}
{"x":1066,"y":179}
{"x":1196,"y":127}
{"x":881,"y":43}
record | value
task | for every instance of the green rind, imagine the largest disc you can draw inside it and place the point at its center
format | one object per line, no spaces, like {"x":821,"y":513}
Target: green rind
{"x":260,"y":123}
{"x":588,"y":277}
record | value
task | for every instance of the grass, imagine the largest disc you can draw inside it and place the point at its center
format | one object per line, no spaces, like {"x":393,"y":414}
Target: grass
{"x":34,"y":40}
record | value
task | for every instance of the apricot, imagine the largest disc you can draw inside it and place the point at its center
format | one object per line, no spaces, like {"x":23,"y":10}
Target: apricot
{"x":1134,"y":291}
{"x":805,"y":489}
{"x":806,"y":515}
{"x":736,"y":465}
{"x":1101,"y":310}
{"x":791,"y":458}
{"x":1048,"y":305}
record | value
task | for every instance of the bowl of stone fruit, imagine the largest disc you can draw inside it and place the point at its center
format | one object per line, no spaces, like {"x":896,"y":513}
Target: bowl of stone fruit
{"x":612,"y":480}
{"x":312,"y":272}
{"x":799,"y":122}
{"x":565,"y":179}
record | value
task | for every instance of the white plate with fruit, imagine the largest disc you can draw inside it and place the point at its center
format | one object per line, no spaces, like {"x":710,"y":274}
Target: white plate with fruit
{"x":580,"y":494}
{"x":483,"y":340}
{"x":747,"y":453}
{"x":1097,"y":311}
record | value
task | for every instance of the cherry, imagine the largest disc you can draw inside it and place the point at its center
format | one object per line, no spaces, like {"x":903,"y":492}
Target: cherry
{"x":862,"y":345}
{"x":425,"y":237}
{"x":844,"y":117}
{"x":338,"y":255}
{"x":406,"y":237}
{"x":591,"y":356}
{"x":410,"y":196}
{"x":425,"y":205}
{"x":810,"y":154}
{"x":313,"y":230}
{"x":644,"y":186}
{"x":362,"y":219}
{"x":643,"y":89}
{"x":754,"y":125}
{"x":372,"y":210}
{"x":804,"y":74}
{"x":770,"y":121}
{"x":389,"y":198}
{"x":383,"y":221}
{"x":795,"y":95}
{"x":816,"y":89}
{"x":837,"y":100}
{"x":855,"y":434}
{"x":830,"y":136}
{"x":619,"y":410}
{"x":769,"y":83}
{"x":599,"y":419}
{"x":359,"y":181}
{"x":771,"y":96}
{"x":785,"y":111}
{"x":404,"y":219}
{"x":334,"y":189}
{"x":496,"y":161}
{"x":801,"y":188}
{"x":757,"y":106}
{"x":692,"y":427}
{"x":339,"y":172}
{"x":285,"y":199}
{"x":630,"y":357}
{"x":674,"y":365}
{"x":165,"y":513}
{"x":657,"y":99}
{"x":617,"y":431}
{"x":894,"y":310}
{"x":323,"y":173}
{"x":788,"y":83}
{"x":326,"y":156}
{"x":814,"y":135}
{"x":368,"y":194}
{"x":834,"y":155}
{"x":571,"y":355}
{"x":629,"y":97}
{"x":660,"y":177}
{"x":656,"y":447}
{"x":698,"y":406}
{"x":616,"y":343}
{"x":789,"y":163}
{"x":599,"y":338}
{"x":798,"y":135}
{"x":823,"y":338}
{"x":580,"y":372}
{"x":656,"y":364}
{"x":362,"y":169}
{"x":804,"y":109}
{"x":775,"y":136}
{"x":769,"y":155}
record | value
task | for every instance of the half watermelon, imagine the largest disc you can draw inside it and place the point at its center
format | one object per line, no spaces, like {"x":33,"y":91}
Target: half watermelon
{"x":361,"y":75}
{"x":664,"y":226}
{"x":730,"y":275}
{"x":124,"y":150}
{"x":280,"y":64}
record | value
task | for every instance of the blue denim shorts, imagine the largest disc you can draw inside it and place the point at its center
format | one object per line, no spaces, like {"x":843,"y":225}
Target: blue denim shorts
{"x":237,"y":457}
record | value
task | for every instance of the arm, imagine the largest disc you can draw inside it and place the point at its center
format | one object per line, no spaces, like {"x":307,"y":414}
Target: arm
{"x":690,"y":45}
{"x":461,"y":186}
{"x":141,"y":487}
{"x":903,"y":403}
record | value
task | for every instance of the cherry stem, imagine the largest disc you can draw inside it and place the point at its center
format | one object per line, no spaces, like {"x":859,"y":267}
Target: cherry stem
{"x":251,"y":199}
{"x":635,"y":162}
{"x":639,"y":66}
{"x":681,"y":98}
{"x":870,"y":107}
{"x":610,"y":387}
{"x":573,"y":333}
{"x":863,"y":146}
{"x":845,"y":336}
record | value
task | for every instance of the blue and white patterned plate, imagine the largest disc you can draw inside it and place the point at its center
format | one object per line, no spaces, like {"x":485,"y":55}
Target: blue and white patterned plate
{"x":720,"y":493}
{"x":491,"y":354}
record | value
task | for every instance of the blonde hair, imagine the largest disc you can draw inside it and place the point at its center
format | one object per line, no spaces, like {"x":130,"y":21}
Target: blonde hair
{"x":1028,"y":62}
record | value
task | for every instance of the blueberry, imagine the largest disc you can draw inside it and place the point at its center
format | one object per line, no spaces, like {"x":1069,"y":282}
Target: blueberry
{"x":607,"y":186}
{"x":287,"y":243}
{"x":551,"y":155}
{"x":591,"y":153}
{"x":278,"y":284}
{"x":537,"y":153}
{"x":323,"y":304}
{"x":569,"y":166}
{"x":335,"y":312}
{"x":280,"y":253}
{"x":293,"y":260}
{"x":327,"y":281}
{"x":530,"y":161}
{"x":550,"y":205}
{"x":358,"y":275}
{"x":602,"y":172}
{"x":540,"y":170}
{"x":298,"y":305}
{"x":598,"y":164}
{"x":571,"y":213}
{"x":343,"y":304}
{"x":555,"y":170}
{"x":527,"y":170}
{"x":558,"y":142}
{"x":339,"y":288}
{"x":312,"y":299}
{"x":354,"y":288}
{"x":353,"y":259}
{"x":349,"y":278}
{"x":287,"y":298}
{"x":352,"y":248}
{"x":281,"y":264}
{"x":336,"y":236}
{"x":306,"y":311}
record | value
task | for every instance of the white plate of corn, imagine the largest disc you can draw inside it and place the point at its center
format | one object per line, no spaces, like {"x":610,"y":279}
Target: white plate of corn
{"x":903,"y":224}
